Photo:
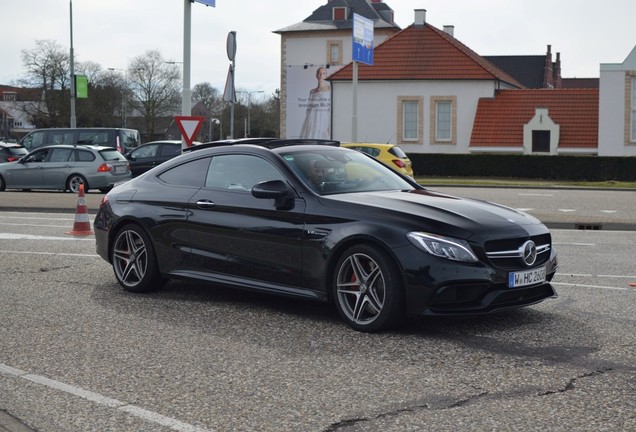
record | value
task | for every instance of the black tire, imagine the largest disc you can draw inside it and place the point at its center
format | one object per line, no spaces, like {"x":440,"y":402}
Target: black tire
{"x":368,"y":289}
{"x":134,"y":260}
{"x":73,"y":182}
{"x":3,"y":184}
{"x":105,"y":190}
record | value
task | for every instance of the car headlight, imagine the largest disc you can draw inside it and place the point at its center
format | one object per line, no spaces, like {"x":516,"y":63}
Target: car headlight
{"x":443,"y":247}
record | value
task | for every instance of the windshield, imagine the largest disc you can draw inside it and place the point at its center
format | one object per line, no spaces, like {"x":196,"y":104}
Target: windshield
{"x":337,"y":170}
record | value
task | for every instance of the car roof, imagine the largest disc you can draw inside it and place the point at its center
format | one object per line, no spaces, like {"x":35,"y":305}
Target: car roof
{"x":266,"y":142}
{"x":376,"y":145}
{"x":161,"y":142}
{"x":90,"y":147}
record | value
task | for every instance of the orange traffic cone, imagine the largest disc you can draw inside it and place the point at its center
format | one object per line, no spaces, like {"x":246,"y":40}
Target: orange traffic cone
{"x":82,"y":225}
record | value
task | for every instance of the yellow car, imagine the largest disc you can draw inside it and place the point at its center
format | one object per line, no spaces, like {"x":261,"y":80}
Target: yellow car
{"x":390,"y":154}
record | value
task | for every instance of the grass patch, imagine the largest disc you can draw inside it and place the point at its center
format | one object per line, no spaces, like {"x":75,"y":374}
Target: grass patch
{"x":466,"y":181}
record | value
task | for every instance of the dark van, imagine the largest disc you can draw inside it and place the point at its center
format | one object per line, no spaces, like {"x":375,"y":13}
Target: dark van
{"x":123,"y":140}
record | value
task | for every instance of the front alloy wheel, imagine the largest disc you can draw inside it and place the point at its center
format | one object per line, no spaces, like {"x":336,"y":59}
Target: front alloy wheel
{"x":134,"y":261}
{"x":368,"y":289}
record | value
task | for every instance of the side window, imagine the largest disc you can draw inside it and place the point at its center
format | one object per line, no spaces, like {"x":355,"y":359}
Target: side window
{"x":170,"y":150}
{"x":146,"y":151}
{"x":83,"y":156}
{"x":39,"y":156}
{"x":60,"y":137}
{"x":60,"y":155}
{"x":34,"y":140}
{"x":188,"y":174}
{"x":240,"y":172}
{"x":371,"y":151}
{"x":93,"y":138}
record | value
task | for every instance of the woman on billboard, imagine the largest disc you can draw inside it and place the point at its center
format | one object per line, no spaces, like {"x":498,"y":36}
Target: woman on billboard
{"x":317,"y":124}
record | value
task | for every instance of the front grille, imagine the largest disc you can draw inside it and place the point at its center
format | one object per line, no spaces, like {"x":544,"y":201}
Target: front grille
{"x":507,"y":254}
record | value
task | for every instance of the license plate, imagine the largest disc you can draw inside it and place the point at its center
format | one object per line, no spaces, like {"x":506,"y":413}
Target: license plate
{"x":120,"y":169}
{"x":527,"y":277}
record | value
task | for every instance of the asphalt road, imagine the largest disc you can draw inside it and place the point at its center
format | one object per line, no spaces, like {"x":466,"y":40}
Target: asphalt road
{"x":78,"y":353}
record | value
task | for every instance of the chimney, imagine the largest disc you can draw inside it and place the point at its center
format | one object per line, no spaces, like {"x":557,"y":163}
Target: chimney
{"x":420,"y":17}
{"x":548,"y":74}
{"x":449,"y":30}
{"x":557,"y":71}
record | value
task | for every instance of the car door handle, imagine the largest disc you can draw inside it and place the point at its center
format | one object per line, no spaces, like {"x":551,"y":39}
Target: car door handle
{"x":204,"y":204}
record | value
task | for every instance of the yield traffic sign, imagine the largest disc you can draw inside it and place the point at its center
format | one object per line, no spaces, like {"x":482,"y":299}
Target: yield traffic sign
{"x":189,"y":127}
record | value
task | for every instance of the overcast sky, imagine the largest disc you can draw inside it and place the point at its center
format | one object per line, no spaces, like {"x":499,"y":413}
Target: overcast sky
{"x":112,"y":32}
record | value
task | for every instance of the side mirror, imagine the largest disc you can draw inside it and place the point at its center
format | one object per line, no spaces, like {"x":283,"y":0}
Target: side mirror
{"x":276,"y":190}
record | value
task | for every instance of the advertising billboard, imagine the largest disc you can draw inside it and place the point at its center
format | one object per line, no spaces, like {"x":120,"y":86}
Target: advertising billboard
{"x":308,"y":101}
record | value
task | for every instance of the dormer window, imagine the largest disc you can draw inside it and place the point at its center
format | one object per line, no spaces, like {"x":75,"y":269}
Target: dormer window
{"x":340,"y":13}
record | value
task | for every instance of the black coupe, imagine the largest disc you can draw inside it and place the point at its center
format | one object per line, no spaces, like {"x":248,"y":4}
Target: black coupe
{"x":325,"y":223}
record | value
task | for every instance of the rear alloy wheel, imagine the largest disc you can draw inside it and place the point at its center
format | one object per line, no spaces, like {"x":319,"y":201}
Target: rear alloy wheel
{"x":73,"y":183}
{"x":134,"y":261}
{"x":368,"y":289}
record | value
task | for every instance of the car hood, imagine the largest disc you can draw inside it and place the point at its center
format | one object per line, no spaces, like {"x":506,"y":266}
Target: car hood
{"x":461,"y":217}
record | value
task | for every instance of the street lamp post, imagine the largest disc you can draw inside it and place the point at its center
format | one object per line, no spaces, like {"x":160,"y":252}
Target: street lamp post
{"x":72,"y":64}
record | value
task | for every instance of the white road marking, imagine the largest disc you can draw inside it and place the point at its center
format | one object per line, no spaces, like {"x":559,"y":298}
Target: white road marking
{"x":99,"y":399}
{"x":590,"y":286}
{"x":609,"y":211}
{"x":35,"y":225}
{"x":16,"y":236}
{"x":4,"y":216}
{"x":48,"y":253}
{"x":567,"y":210}
{"x":536,"y":194}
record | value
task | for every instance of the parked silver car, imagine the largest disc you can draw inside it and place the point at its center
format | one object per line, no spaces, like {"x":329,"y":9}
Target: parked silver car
{"x":65,"y":167}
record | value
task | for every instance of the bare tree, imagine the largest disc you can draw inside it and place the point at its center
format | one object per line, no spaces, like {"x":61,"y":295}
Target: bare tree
{"x":155,"y":88}
{"x":209,"y":96}
{"x":48,"y":68}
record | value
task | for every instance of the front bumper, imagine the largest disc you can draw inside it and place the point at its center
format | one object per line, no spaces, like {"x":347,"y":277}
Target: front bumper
{"x":437,"y":287}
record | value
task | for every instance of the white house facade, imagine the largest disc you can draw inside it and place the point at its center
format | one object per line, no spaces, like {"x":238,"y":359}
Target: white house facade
{"x":617,"y":108}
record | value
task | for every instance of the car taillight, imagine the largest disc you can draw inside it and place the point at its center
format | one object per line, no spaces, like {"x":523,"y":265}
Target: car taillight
{"x":105,"y":167}
{"x":104,"y":201}
{"x":12,"y":159}
{"x":399,"y":163}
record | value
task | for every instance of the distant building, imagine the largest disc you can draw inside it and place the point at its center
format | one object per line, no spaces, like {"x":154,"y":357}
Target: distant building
{"x":617,"y":108}
{"x":322,"y":40}
{"x":15,"y":103}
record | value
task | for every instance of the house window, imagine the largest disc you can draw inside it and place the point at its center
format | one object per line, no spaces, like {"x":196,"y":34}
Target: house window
{"x":339,"y":13}
{"x":443,"y":119}
{"x":334,"y":52}
{"x":541,"y":141}
{"x":410,"y":119}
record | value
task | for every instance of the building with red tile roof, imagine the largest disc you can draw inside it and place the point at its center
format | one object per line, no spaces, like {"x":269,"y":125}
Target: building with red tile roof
{"x":561,"y":121}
